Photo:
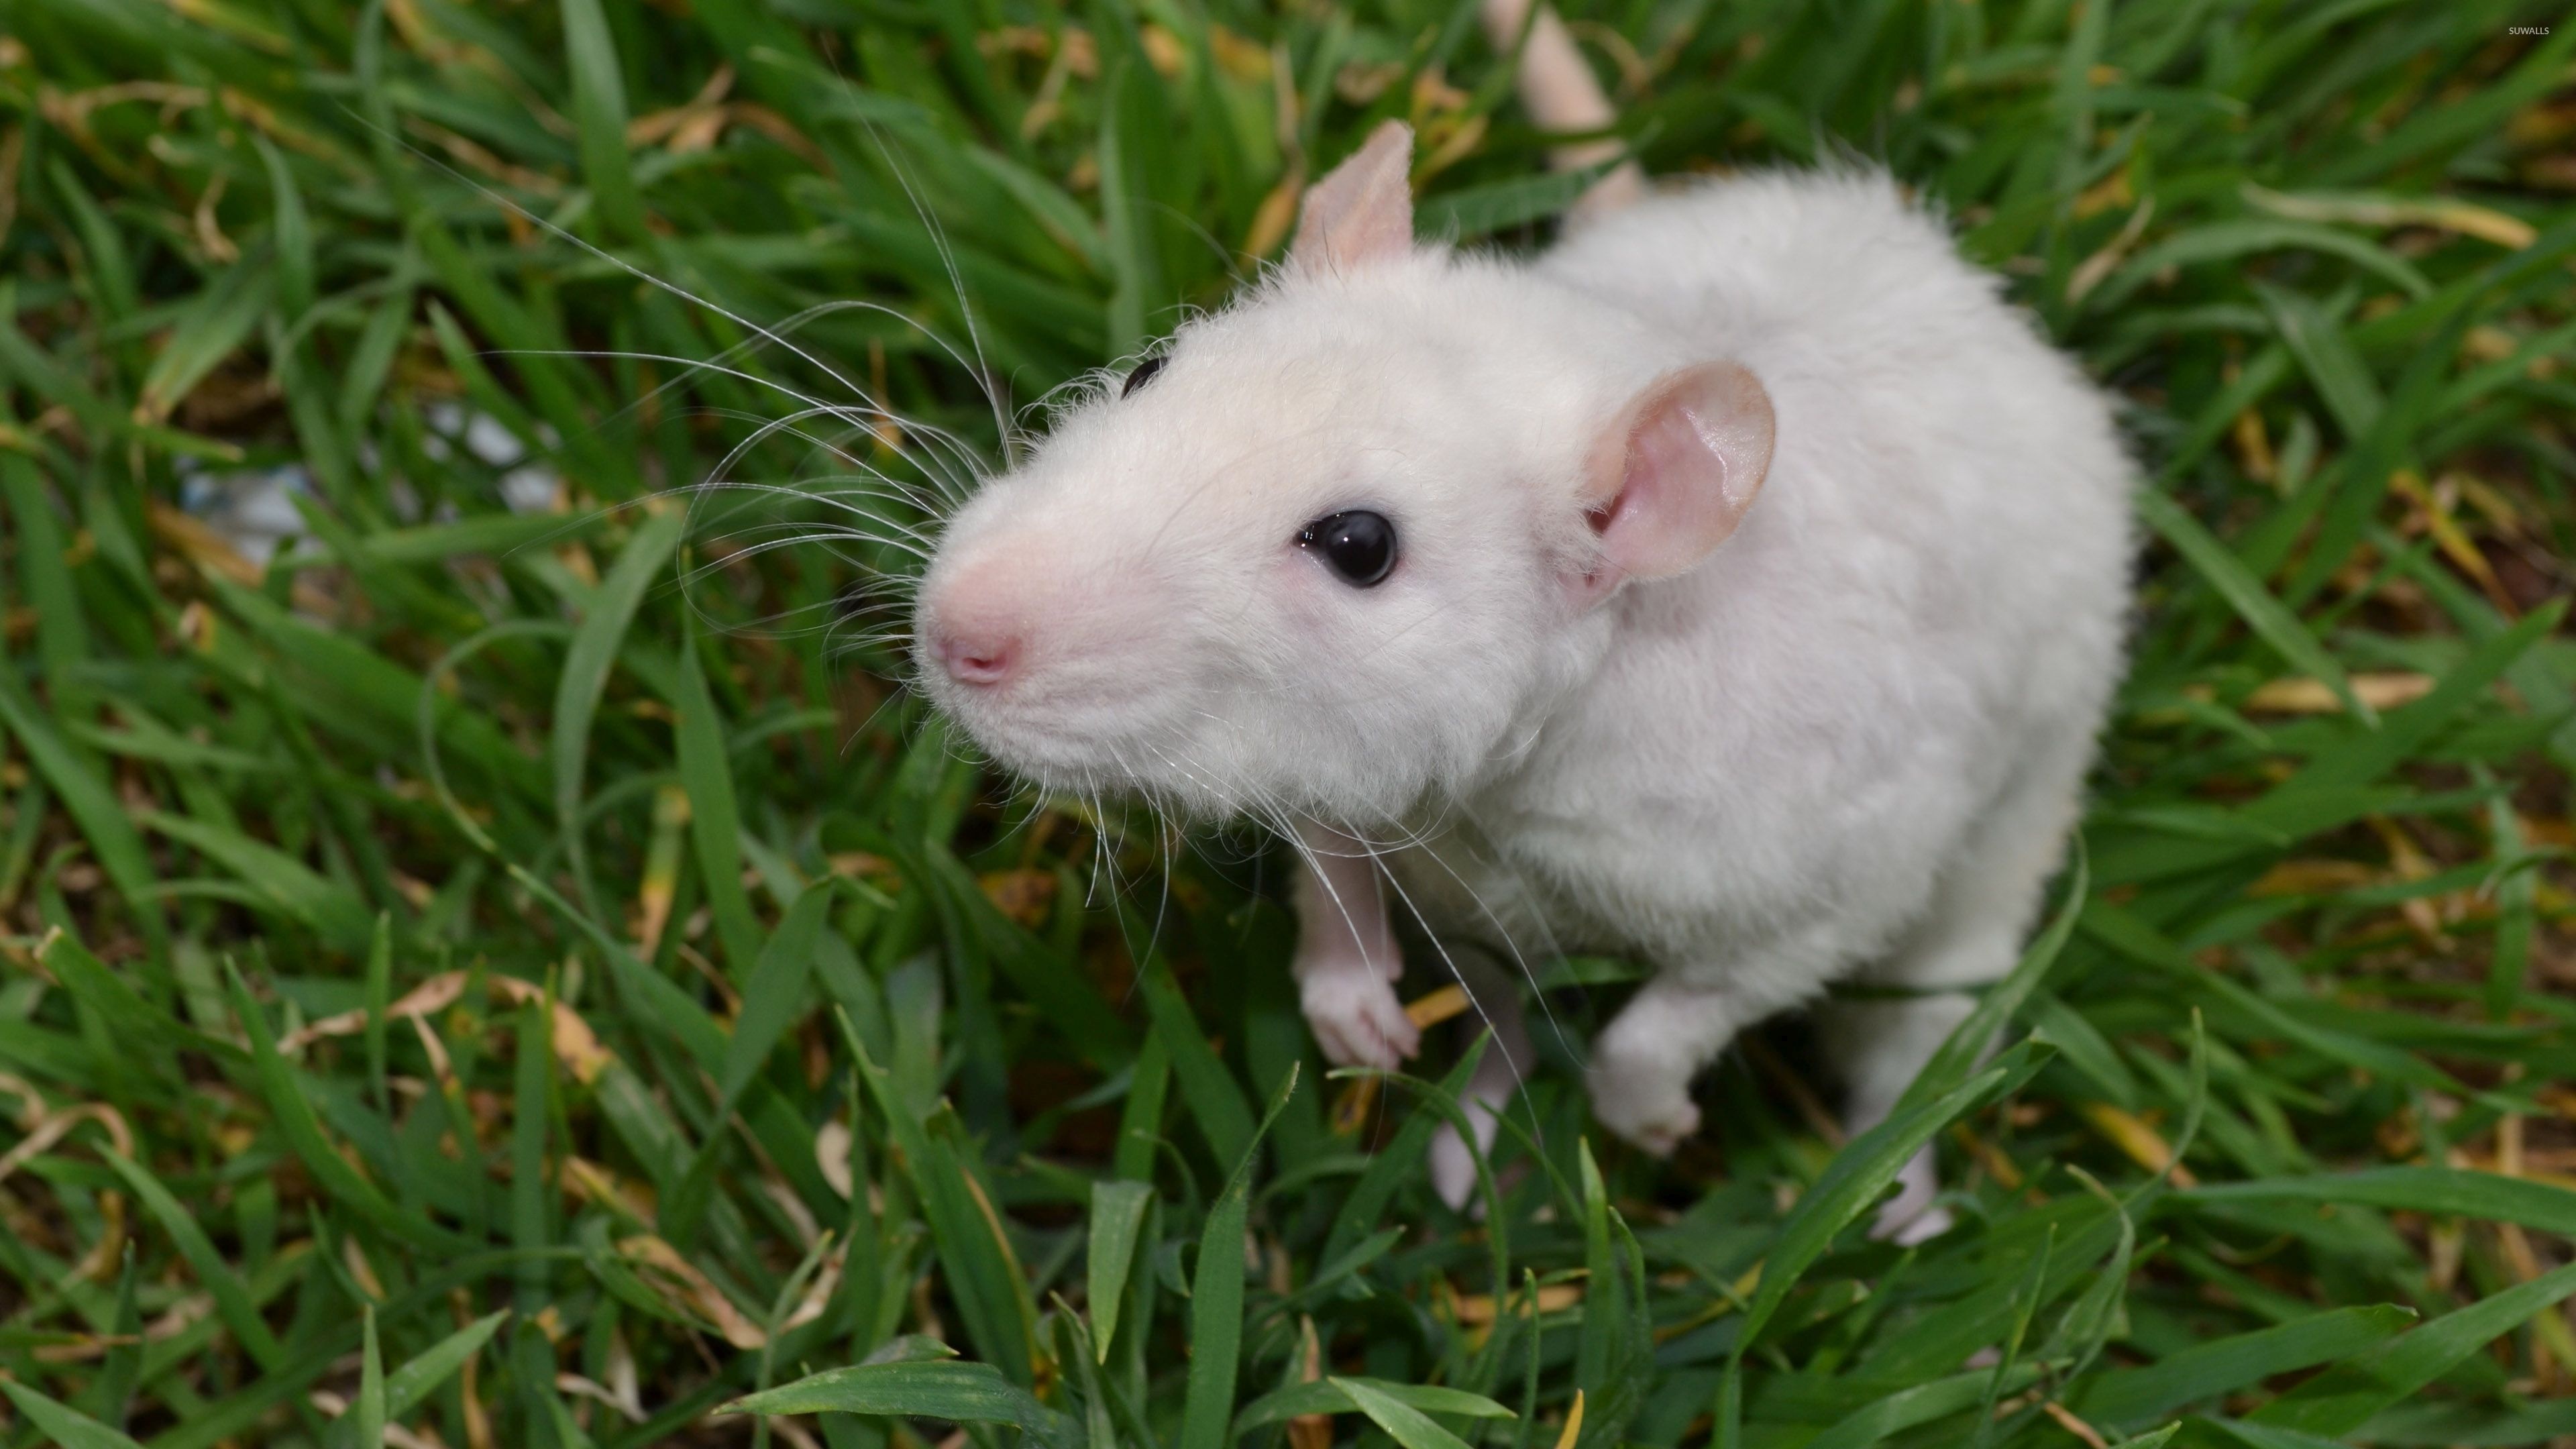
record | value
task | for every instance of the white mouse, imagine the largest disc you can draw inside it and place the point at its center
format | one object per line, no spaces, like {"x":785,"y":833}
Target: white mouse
{"x":1738,"y":586}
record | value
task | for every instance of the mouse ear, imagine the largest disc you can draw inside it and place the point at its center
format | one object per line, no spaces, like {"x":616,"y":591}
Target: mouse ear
{"x":1674,"y":473}
{"x":1362,"y":211}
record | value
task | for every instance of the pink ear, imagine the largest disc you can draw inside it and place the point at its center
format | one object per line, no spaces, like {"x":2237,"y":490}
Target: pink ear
{"x":1672,"y":477}
{"x":1362,"y":211}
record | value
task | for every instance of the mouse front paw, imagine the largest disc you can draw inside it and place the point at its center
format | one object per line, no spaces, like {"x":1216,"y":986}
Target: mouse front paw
{"x":1357,"y":1019}
{"x":1913,"y":1215}
{"x":1650,"y":1108}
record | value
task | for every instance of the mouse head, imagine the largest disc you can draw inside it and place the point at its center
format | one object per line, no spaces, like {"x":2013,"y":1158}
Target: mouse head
{"x":1340,"y":546}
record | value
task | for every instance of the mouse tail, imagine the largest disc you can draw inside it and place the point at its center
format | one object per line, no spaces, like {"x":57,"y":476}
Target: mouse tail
{"x":1561,"y":93}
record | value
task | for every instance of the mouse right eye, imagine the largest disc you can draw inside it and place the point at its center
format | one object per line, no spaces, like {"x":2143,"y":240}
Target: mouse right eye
{"x":1143,"y":374}
{"x":1359,"y":546}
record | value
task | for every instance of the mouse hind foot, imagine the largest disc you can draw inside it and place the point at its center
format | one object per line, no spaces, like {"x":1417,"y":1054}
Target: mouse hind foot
{"x":1490,"y":1092}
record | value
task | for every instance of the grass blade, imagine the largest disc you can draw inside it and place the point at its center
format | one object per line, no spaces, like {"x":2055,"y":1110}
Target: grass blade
{"x":1118,"y":1212}
{"x":2265,"y":615}
{"x":970,"y":1393}
{"x":66,"y":1427}
{"x":292,"y":1103}
{"x":232,"y":1299}
{"x":599,"y":113}
{"x":2442,"y":1191}
{"x":368,"y":1413}
{"x":1216,"y":1299}
{"x":2205,"y":1371}
{"x":715,"y":823}
{"x":1402,"y":1422}
{"x":2344,"y":1397}
{"x":594,"y":651}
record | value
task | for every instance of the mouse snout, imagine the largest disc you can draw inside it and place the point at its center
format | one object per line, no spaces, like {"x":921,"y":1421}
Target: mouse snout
{"x":977,"y":631}
{"x":976,"y":656}
{"x":1031,"y":621}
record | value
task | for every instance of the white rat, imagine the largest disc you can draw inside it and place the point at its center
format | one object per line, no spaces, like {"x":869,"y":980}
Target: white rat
{"x":1738,"y":586}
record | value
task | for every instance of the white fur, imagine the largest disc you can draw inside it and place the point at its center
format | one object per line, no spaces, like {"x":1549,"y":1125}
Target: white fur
{"x":1850,"y":740}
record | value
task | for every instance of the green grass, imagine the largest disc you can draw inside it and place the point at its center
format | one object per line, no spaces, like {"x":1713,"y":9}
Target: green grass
{"x":704,"y":909}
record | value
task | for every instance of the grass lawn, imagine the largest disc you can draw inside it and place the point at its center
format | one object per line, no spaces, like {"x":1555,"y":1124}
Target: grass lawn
{"x":510,"y":967}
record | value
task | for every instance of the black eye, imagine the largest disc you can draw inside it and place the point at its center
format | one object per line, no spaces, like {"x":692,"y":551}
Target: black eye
{"x":1359,"y":545}
{"x":1143,"y":374}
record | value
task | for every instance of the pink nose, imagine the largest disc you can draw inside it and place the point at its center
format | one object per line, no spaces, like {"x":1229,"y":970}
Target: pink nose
{"x":975,"y":653}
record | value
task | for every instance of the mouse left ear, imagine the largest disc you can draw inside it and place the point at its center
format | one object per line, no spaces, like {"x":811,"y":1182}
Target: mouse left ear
{"x":1673,"y":474}
{"x":1362,"y":211}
